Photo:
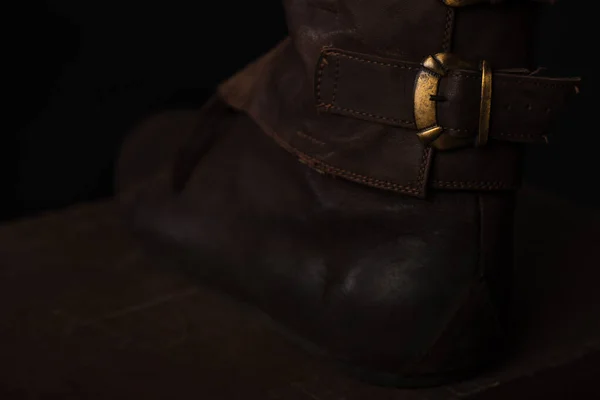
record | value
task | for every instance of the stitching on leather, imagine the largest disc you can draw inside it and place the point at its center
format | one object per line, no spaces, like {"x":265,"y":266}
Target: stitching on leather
{"x":426,"y":151}
{"x":463,"y":75}
{"x":470,"y":182}
{"x":316,"y":163}
{"x":358,"y":178}
{"x":472,"y":185}
{"x":366,"y":61}
{"x":373,"y":182}
{"x":320,"y":77}
{"x":310,"y":138}
{"x":522,"y":82}
{"x":447,"y":41}
{"x":337,"y":79}
{"x":349,"y":110}
{"x":456,"y":129}
{"x":338,"y":171}
{"x":509,"y":135}
{"x":331,"y":106}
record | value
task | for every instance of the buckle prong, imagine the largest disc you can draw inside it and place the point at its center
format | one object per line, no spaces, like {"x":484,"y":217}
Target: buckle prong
{"x":437,"y":98}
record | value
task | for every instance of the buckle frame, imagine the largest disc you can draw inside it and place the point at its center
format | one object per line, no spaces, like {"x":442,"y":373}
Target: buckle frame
{"x":427,"y":94}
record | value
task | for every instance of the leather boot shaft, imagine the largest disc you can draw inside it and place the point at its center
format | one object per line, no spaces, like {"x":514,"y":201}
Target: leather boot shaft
{"x":413,"y":29}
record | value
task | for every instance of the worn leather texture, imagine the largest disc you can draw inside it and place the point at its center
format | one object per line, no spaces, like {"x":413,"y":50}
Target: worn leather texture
{"x":349,"y":232}
{"x":334,"y":261}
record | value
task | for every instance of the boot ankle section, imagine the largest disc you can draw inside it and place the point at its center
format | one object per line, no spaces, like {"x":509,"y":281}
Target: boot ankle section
{"x":360,"y":115}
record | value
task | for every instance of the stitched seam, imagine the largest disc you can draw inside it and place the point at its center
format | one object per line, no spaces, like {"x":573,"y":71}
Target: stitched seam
{"x":521,"y":82}
{"x":463,"y":75}
{"x":310,"y":138}
{"x":331,"y":106}
{"x":337,"y":79}
{"x":338,"y":171}
{"x":457,"y":129}
{"x":320,"y":77}
{"x":357,"y":177}
{"x":426,"y":151}
{"x":472,"y":184}
{"x":329,"y":168}
{"x":447,"y":41}
{"x":458,"y":74}
{"x":365,"y":114}
{"x":366,"y":61}
{"x":373,"y":182}
{"x":515,"y":135}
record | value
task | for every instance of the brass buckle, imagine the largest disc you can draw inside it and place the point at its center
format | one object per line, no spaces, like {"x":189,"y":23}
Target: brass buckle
{"x":426,"y":95}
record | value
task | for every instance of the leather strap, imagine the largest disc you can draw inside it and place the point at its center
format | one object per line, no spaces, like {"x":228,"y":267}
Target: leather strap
{"x":463,"y":3}
{"x":274,"y":92}
{"x":377,"y":89}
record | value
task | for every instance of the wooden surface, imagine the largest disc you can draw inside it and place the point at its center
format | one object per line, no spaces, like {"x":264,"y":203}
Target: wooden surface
{"x":84,"y":314}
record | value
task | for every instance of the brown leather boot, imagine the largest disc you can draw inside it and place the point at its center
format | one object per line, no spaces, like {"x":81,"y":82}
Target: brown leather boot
{"x":389,"y":245}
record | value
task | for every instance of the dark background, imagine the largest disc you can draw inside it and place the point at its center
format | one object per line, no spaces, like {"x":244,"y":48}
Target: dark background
{"x":81,"y":74}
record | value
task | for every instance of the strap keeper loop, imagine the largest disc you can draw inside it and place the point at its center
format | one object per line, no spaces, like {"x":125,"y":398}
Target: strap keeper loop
{"x":485,"y":110}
